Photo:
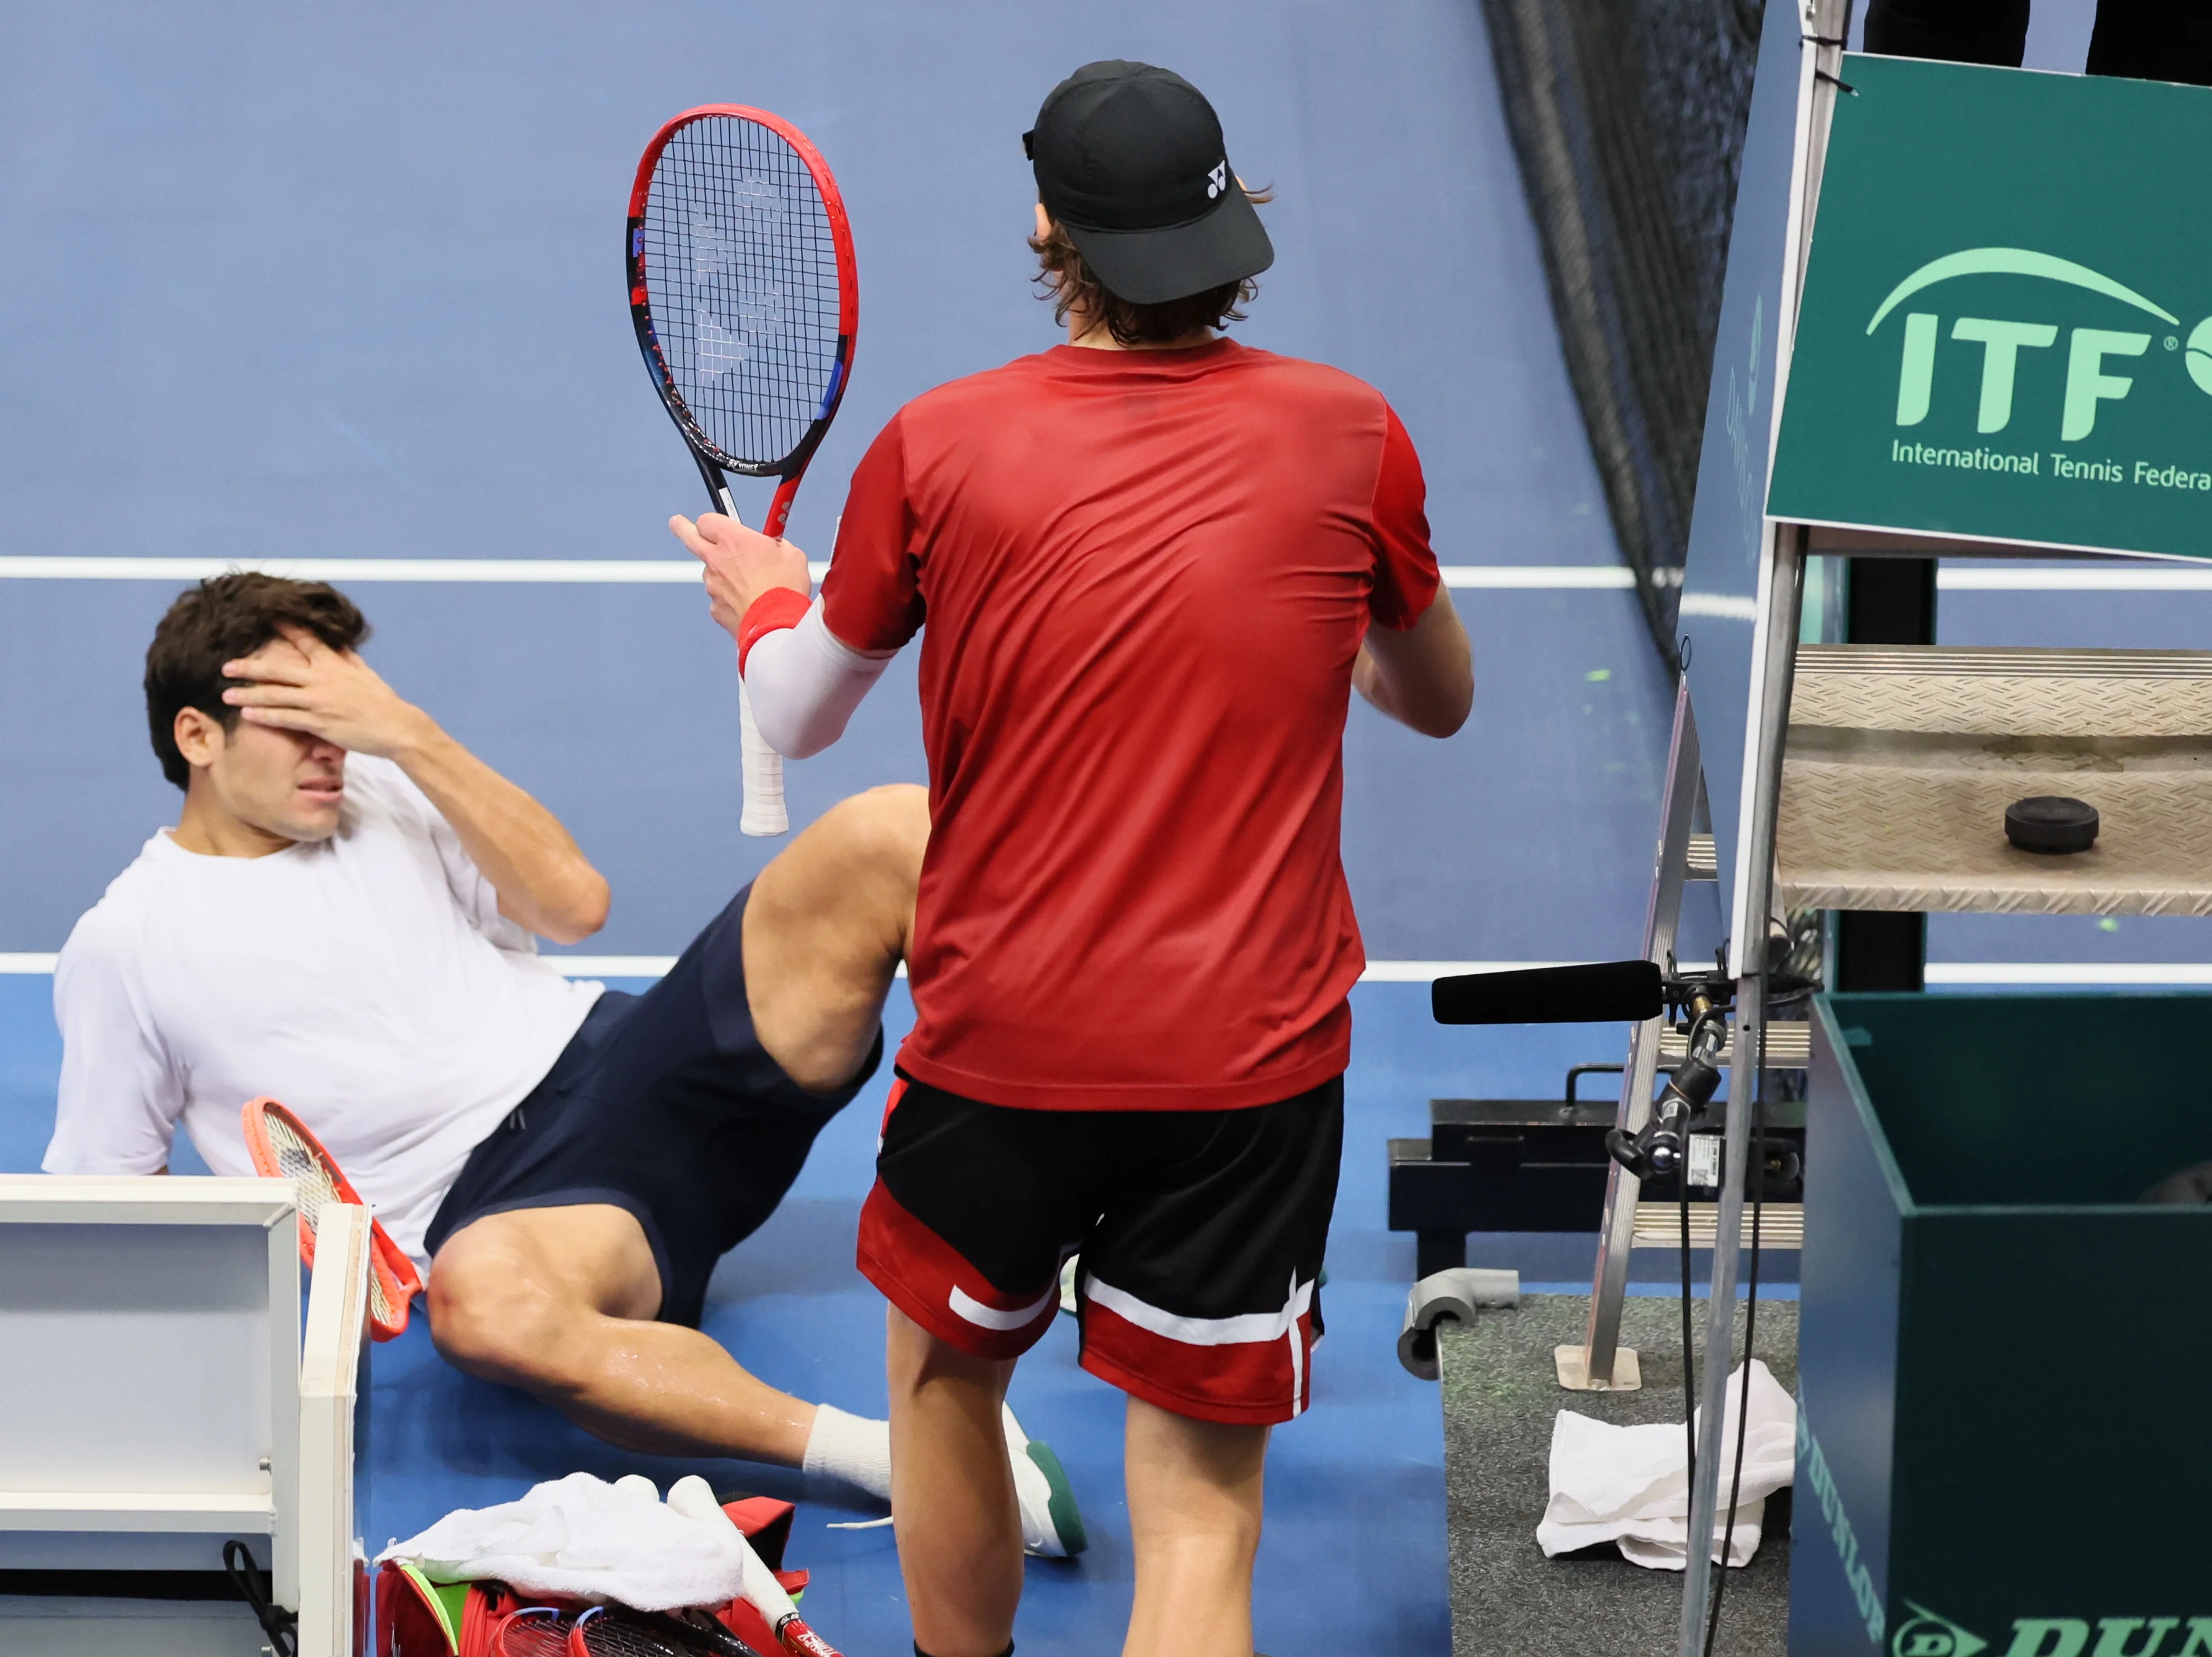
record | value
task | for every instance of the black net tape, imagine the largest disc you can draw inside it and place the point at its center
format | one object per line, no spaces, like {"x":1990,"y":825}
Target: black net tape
{"x":1628,"y":118}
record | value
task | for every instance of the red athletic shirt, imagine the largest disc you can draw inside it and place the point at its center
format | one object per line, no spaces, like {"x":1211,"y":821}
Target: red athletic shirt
{"x":1145,"y":577}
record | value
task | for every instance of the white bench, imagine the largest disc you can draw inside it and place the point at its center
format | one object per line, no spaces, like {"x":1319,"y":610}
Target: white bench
{"x":162,"y":1392}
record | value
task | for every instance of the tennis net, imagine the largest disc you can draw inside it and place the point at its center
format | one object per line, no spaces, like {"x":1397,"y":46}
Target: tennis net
{"x":1628,"y":120}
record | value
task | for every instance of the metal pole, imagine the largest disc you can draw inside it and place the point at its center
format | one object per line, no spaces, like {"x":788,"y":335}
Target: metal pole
{"x":1776,"y":662}
{"x":1783,"y":578}
{"x":1609,"y":1282}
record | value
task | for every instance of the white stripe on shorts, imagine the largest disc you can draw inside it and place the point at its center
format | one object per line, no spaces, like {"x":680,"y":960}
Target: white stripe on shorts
{"x":1250,"y":1326}
{"x":989,"y":1317}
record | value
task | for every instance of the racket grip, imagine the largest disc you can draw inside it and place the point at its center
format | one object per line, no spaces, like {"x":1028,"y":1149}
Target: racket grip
{"x":763,"y":814}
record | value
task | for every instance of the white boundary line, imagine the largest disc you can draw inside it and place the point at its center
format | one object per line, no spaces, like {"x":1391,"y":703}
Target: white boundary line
{"x":2146,"y":975}
{"x":653,"y":966}
{"x":1554,"y":577}
{"x":651,"y":572}
{"x":680,"y":572}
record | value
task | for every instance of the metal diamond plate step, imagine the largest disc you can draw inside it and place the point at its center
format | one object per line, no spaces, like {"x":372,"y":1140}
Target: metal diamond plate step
{"x":1901,"y":761}
{"x":1788,"y":1047}
{"x":1659,"y":1225}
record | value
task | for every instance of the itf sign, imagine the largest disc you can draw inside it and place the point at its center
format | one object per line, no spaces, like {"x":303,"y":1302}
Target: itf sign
{"x":2006,"y":331}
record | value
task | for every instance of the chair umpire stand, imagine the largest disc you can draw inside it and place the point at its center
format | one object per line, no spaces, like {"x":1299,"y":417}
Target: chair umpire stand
{"x":164,"y":1394}
{"x":1984,"y":297}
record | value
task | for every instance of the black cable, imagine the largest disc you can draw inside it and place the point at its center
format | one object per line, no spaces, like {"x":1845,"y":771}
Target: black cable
{"x":1689,"y":1363}
{"x":1689,"y":1312}
{"x":282,"y":1626}
{"x":1750,"y":1331}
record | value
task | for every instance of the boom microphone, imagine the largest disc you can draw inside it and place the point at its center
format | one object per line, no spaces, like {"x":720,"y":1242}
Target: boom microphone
{"x":1593,"y":993}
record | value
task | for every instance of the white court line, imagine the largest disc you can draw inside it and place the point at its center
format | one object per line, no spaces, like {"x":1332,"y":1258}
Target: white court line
{"x":1549,"y":576}
{"x":1422,"y":972}
{"x":649,"y":572}
{"x":613,"y":966}
{"x":653,"y":966}
{"x":652,"y":572}
{"x":2148,"y":975}
{"x":680,"y":572}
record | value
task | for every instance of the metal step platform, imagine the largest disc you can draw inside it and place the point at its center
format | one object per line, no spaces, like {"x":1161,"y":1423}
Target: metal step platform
{"x":1788,"y":1047}
{"x":1900,"y":763}
{"x":1659,"y":1225}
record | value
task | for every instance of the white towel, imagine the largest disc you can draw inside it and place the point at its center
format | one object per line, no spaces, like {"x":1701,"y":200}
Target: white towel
{"x":583,"y":1537}
{"x":1630,"y":1486}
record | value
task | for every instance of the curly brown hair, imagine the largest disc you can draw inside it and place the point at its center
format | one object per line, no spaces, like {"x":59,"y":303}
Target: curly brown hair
{"x":1064,"y":278}
{"x":222,"y":619}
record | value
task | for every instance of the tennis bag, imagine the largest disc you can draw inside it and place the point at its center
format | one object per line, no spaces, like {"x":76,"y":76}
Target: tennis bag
{"x":418,"y":1617}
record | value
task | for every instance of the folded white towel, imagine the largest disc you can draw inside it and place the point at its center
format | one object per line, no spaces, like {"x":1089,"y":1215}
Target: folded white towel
{"x":583,"y":1537}
{"x":1630,"y":1486}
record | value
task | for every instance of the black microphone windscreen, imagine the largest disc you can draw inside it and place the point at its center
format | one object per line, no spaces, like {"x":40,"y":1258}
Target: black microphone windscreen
{"x":1597,"y":992}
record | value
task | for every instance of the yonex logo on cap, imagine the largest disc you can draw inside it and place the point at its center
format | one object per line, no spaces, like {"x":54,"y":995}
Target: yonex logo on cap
{"x":1218,"y":180}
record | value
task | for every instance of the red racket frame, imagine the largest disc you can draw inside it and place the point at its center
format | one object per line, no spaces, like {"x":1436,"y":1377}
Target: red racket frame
{"x":401,"y":1284}
{"x":793,"y":467}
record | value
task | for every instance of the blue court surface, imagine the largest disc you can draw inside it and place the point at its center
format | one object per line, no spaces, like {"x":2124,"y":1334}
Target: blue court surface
{"x":332,"y":282}
{"x":1353,"y":1557}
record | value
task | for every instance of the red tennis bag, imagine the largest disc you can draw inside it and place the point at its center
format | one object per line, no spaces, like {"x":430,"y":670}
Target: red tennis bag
{"x":418,"y":1617}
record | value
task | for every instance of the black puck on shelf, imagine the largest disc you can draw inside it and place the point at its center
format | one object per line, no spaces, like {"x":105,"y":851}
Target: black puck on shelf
{"x":2050,"y":823}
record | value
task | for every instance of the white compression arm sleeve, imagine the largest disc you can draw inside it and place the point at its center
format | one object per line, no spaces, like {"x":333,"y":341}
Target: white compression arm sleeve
{"x":805,"y":684}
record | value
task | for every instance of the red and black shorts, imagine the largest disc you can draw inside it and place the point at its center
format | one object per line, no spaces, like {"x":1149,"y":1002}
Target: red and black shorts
{"x":1201,"y":1231}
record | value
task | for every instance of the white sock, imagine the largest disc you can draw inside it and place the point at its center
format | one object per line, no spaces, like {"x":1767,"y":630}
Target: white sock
{"x":850,"y":1447}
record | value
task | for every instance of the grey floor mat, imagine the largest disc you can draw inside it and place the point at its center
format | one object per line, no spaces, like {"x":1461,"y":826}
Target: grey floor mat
{"x":1500,"y":1399}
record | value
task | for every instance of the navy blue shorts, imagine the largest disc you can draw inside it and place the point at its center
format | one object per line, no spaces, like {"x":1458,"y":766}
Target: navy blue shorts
{"x":665,"y":1106}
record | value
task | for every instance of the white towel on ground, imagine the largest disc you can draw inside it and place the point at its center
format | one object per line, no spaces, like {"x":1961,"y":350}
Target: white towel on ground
{"x":583,"y":1537}
{"x":1630,"y":1486}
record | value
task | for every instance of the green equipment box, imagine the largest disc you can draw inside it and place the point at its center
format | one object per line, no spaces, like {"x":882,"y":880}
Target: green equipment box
{"x":2005,"y":1360}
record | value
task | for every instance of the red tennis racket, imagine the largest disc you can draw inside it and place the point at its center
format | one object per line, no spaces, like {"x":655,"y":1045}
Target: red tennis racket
{"x":615,"y":1631}
{"x":778,"y":1609}
{"x":533,"y":1631}
{"x":283,"y":1148}
{"x":745,"y":297}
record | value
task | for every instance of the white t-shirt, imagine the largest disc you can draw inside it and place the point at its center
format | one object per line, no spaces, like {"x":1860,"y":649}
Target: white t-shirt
{"x":368,"y":981}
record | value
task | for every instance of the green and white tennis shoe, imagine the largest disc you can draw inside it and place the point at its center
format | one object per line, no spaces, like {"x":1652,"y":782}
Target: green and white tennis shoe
{"x":1052,"y":1526}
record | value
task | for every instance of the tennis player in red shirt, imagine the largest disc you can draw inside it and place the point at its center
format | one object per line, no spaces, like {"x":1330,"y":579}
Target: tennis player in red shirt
{"x":1154,"y":563}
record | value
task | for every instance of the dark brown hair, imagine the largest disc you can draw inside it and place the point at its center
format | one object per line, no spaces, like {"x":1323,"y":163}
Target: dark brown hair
{"x":1064,"y":278}
{"x":222,"y":619}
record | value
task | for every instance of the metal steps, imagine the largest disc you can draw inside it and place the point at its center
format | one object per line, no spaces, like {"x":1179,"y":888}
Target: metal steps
{"x":1659,"y":1225}
{"x":1901,"y":760}
{"x":1788,"y":1047}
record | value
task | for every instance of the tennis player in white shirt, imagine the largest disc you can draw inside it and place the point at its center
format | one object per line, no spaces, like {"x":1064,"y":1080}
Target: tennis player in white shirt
{"x":344,"y":918}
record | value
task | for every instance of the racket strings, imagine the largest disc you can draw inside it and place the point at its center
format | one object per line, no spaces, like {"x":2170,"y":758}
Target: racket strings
{"x":613,"y":1634}
{"x":742,"y":280}
{"x":534,"y":1631}
{"x":297,"y":1161}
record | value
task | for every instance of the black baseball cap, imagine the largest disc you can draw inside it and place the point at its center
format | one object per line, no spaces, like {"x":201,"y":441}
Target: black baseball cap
{"x":1130,"y":160}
